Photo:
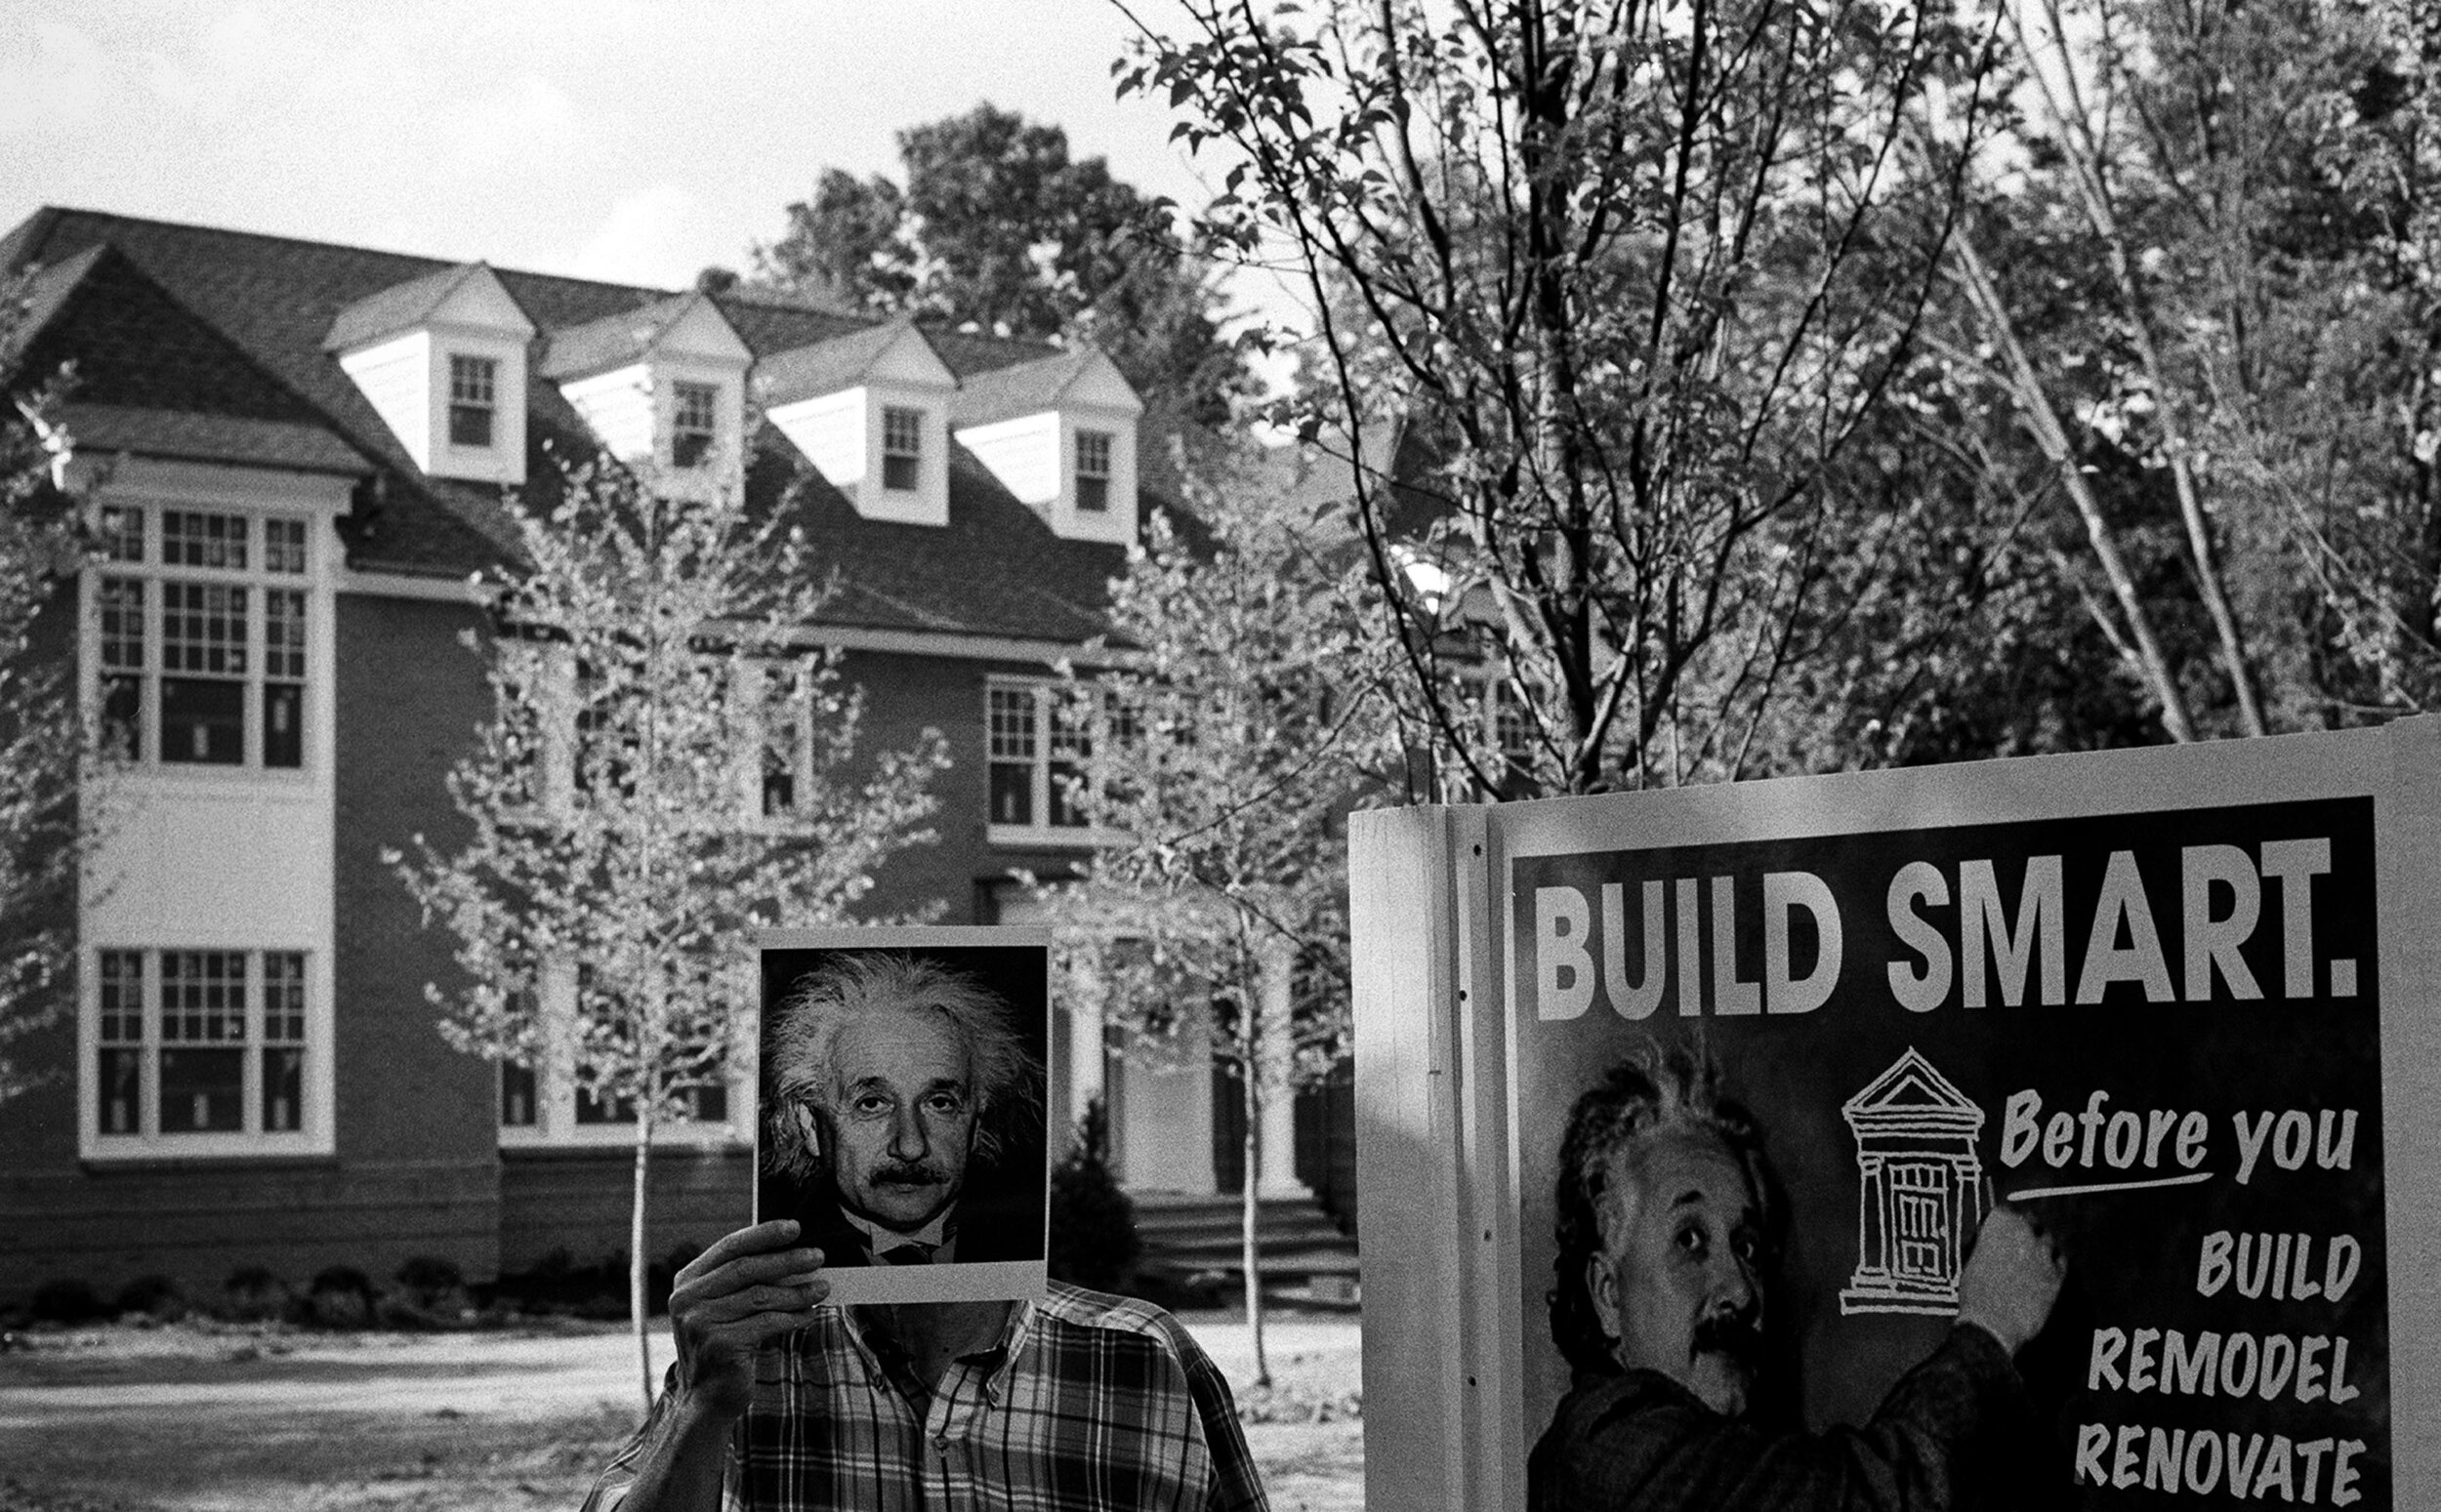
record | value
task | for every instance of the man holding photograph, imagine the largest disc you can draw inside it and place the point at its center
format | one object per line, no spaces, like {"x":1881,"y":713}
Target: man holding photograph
{"x":893,"y":1088}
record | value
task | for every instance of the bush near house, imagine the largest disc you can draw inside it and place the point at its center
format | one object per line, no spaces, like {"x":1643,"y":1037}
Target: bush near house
{"x":1092,"y":1221}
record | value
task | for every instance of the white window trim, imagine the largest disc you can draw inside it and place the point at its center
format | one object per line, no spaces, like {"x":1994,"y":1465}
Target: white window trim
{"x":555,"y":1097}
{"x":917,"y":417}
{"x":491,"y":405}
{"x":1108,"y":474}
{"x":1041,"y":833}
{"x":313,"y":1138}
{"x":680,"y":431}
{"x":257,"y":581}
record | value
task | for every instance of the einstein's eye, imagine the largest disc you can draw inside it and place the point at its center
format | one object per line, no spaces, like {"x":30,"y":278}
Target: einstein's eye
{"x":1691,"y":1239}
{"x":946,"y":1103}
{"x":871,"y":1105}
{"x":1747,"y":1245}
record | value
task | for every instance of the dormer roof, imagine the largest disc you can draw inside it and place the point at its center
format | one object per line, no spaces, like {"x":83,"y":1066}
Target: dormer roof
{"x":898,"y":350}
{"x":464,"y":289}
{"x":187,"y":328}
{"x":690,"y":322}
{"x":1080,"y":376}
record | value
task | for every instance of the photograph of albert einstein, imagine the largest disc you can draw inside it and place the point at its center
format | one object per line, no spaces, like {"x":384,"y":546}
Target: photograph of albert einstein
{"x":902,"y":1110}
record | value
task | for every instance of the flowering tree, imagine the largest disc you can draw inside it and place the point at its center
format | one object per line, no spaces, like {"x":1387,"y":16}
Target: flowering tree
{"x":1224,"y":757}
{"x":666,"y":769}
{"x":43,"y":743}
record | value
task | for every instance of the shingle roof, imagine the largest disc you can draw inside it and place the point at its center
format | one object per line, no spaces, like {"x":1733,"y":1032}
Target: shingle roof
{"x":185,"y":320}
{"x":1020,"y":388}
{"x":191,"y":437}
{"x":613,"y":341}
{"x":396,"y":309}
{"x":827,"y":366}
{"x":44,"y":295}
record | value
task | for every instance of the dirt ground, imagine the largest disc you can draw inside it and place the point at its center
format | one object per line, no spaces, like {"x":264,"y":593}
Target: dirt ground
{"x":182,"y":1419}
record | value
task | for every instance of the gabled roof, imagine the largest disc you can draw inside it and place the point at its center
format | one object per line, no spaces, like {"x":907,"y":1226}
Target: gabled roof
{"x":45,"y":292}
{"x":621,"y":339}
{"x":151,"y":377}
{"x":181,"y":330}
{"x":402,"y":307}
{"x":1030,"y":388}
{"x":837,"y":363}
{"x":1911,"y":1096}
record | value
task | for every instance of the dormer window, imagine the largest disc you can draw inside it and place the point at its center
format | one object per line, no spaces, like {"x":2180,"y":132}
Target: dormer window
{"x":474,"y":398}
{"x":1059,"y":434}
{"x":441,"y":359}
{"x":902,"y":448}
{"x":870,"y":410}
{"x":1092,"y":471}
{"x":695,"y":423}
{"x":662,"y":383}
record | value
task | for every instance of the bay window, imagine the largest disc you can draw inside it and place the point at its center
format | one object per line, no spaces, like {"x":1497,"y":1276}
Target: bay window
{"x":201,"y":637}
{"x":193,"y":1044}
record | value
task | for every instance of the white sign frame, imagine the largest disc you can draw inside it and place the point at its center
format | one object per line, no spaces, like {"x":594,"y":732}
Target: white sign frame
{"x":1435,"y":1041}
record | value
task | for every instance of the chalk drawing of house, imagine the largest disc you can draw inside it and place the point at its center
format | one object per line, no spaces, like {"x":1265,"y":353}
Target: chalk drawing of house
{"x":1920,"y":1194}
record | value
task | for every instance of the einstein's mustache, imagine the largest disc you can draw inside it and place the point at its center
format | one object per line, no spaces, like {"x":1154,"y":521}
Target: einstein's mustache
{"x":908,"y":1174}
{"x":1736,"y":1334}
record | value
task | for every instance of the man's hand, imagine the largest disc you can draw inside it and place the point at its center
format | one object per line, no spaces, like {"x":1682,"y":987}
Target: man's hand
{"x":746,"y":1290}
{"x":2011,"y":1280}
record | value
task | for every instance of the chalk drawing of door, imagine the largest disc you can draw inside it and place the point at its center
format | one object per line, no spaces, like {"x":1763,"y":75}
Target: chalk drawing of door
{"x":1919,"y":1196}
{"x":1919,"y":1189}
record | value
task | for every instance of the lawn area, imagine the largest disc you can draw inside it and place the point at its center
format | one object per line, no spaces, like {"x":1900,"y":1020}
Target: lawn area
{"x":125,"y":1419}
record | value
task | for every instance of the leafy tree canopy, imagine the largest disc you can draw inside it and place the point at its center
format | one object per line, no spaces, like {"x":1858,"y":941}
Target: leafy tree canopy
{"x":998,"y":227}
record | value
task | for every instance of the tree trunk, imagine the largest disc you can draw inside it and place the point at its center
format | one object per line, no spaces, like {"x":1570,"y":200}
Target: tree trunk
{"x":1249,"y":1190}
{"x":636,"y":1308}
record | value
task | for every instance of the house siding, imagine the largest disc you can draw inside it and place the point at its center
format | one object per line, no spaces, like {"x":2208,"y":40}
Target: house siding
{"x":413,"y":1112}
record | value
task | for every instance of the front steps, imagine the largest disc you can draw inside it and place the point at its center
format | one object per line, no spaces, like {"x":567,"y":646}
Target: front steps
{"x":1195,"y":1242}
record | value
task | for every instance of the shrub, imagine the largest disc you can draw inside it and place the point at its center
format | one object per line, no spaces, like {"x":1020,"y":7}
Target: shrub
{"x":1092,"y":1222}
{"x":340,"y":1297}
{"x":69,"y":1299}
{"x":432,"y":1291}
{"x":254,"y":1294}
{"x":155,"y":1297}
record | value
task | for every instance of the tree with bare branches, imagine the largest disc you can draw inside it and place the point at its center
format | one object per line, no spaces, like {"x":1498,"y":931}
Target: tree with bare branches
{"x":1633,"y":277}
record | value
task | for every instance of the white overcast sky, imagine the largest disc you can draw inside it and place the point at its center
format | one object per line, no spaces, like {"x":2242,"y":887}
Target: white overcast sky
{"x":635,"y":141}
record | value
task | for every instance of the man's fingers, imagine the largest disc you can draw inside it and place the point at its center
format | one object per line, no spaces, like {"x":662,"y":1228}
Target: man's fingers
{"x":776,"y":1234}
{"x":796,"y":1300}
{"x":751,"y":1271}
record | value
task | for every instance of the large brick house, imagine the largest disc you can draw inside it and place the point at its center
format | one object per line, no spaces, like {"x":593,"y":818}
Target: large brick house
{"x":298,"y":455}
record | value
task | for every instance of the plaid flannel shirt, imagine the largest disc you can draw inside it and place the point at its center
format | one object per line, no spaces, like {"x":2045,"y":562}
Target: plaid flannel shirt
{"x":1088,"y":1401}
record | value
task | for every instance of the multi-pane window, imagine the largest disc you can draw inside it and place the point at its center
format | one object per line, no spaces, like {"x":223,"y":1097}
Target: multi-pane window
{"x":1092,"y":471}
{"x":1014,"y":716}
{"x":543,"y":1103}
{"x":197,"y":1043}
{"x":784,"y":730}
{"x":474,"y":399}
{"x":202,"y":639}
{"x":1039,"y":739}
{"x":902,"y":448}
{"x":695,"y":415}
{"x":521,"y":1102}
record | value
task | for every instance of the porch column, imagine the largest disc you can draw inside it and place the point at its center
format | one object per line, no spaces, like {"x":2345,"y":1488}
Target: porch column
{"x":1278,"y":1178}
{"x":1085,"y":1060}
